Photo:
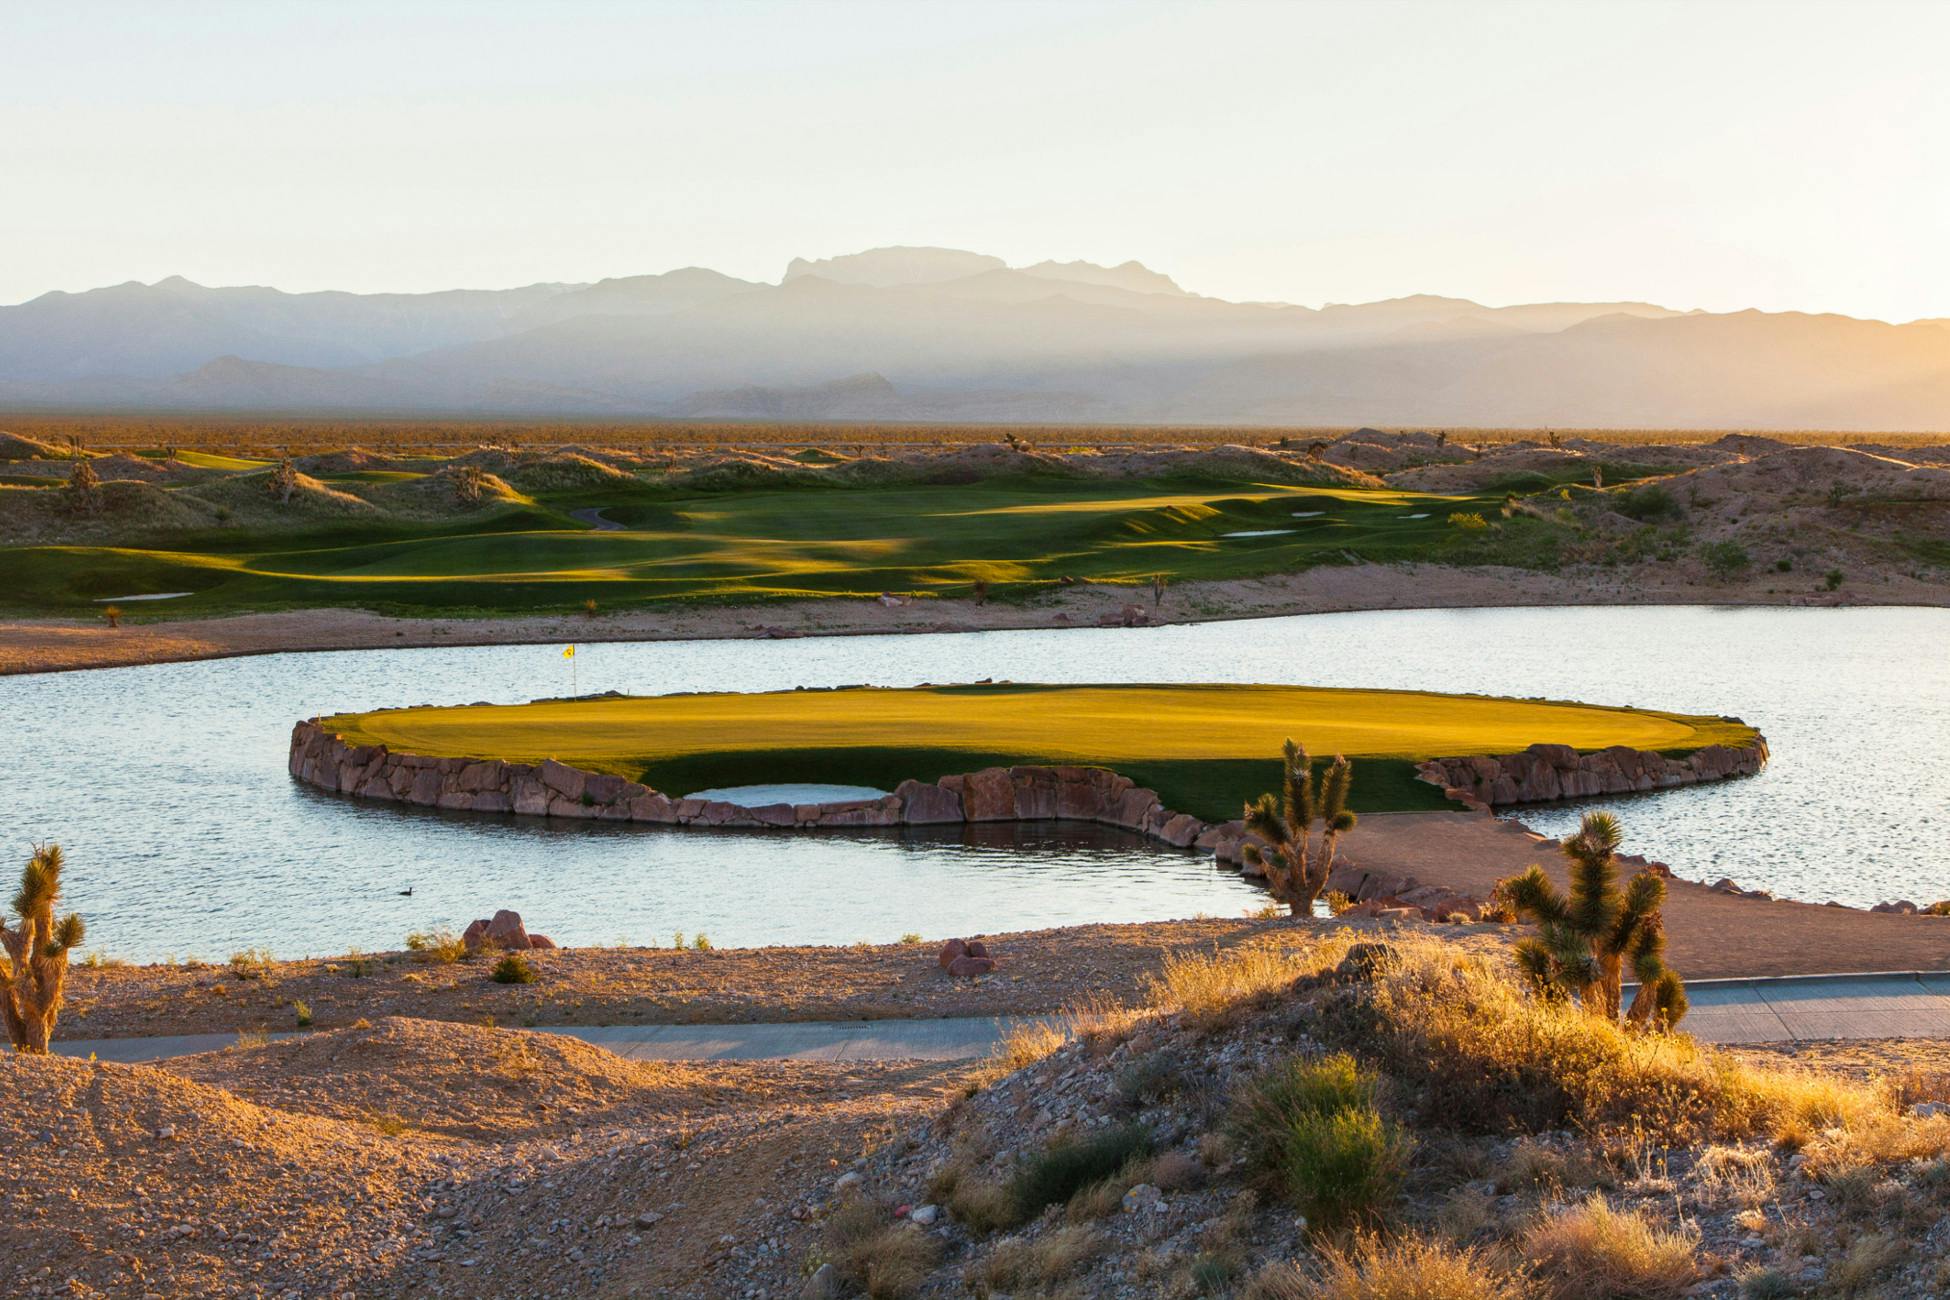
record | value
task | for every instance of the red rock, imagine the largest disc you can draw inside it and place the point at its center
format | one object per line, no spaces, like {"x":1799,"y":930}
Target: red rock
{"x":540,"y":941}
{"x":970,"y":967}
{"x":976,"y":948}
{"x":951,"y":952}
{"x":507,"y":931}
{"x":474,"y":934}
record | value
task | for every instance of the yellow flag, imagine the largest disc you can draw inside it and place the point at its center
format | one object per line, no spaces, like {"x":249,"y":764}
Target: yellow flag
{"x":569,"y":653}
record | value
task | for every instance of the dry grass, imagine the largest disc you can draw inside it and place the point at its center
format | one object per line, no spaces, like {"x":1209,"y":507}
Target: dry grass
{"x":1050,"y":1259}
{"x":440,"y":945}
{"x":1213,"y":986}
{"x":883,"y":1257}
{"x":1593,"y":1252}
{"x":1407,"y":1268}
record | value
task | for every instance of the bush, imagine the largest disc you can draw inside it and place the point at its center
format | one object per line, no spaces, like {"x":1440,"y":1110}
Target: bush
{"x":1832,"y":580}
{"x":439,"y":945}
{"x":1063,"y":1169}
{"x":1313,"y":1126}
{"x":1725,"y":559}
{"x":1593,"y":1252}
{"x":1469,"y":521}
{"x":1649,"y":504}
{"x":513,"y":969}
{"x":252,"y":964}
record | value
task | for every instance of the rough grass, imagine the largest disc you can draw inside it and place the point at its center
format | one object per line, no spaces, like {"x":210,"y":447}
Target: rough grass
{"x":1405,"y":1268}
{"x":884,"y":1258}
{"x":1593,"y":1252}
{"x":1204,"y":748}
{"x":1312,"y":1125}
{"x":1064,"y":1168}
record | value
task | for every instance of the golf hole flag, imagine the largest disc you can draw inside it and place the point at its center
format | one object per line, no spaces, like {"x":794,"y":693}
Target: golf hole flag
{"x":568,"y":652}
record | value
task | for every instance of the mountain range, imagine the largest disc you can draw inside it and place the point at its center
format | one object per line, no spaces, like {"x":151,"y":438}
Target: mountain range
{"x":920,"y":334}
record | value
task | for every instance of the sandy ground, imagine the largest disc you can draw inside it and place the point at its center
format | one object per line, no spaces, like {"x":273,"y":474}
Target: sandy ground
{"x":415,"y":1158}
{"x":53,"y":645}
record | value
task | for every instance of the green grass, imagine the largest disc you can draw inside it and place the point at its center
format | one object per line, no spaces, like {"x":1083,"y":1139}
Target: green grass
{"x":1204,"y":748}
{"x":1021,"y":535}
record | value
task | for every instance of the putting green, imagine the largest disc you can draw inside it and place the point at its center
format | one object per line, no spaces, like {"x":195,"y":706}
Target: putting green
{"x":1204,"y":748}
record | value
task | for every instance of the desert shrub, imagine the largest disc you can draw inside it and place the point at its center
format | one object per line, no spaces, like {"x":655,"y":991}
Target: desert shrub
{"x":1725,"y":559}
{"x":1768,"y":1284}
{"x":885,"y":1258}
{"x":1593,"y":1252}
{"x":252,"y":964}
{"x":1941,"y":908}
{"x":513,"y":969}
{"x":301,"y":1012}
{"x":1468,"y":521}
{"x":910,"y":939}
{"x":440,"y":945}
{"x":1868,"y":1258}
{"x":1313,"y":1127}
{"x":1472,"y":1046}
{"x":1213,"y":986}
{"x":1061,"y":1170}
{"x":1407,"y":1268}
{"x":1649,"y":504}
{"x":1832,"y":580}
{"x":1152,"y":1078}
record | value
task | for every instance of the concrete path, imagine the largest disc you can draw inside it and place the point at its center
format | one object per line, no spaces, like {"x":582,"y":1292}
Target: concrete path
{"x":961,"y":1038}
{"x":1806,"y":1008}
{"x":1802,"y":1008}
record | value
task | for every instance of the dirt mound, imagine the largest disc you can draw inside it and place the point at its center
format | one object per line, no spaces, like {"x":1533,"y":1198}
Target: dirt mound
{"x":565,"y":469}
{"x":146,"y":1182}
{"x":1232,"y":462}
{"x":352,"y":460}
{"x":459,"y":1080}
{"x":121,"y":465}
{"x":124,"y":508}
{"x":15,"y":446}
{"x":1554,"y":463}
{"x":450,"y":490}
{"x":723,"y":473}
{"x":1804,"y":474}
{"x":248,"y":499}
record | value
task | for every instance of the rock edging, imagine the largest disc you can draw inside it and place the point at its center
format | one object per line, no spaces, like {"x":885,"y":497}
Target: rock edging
{"x":322,"y":758}
{"x":1543,"y":773}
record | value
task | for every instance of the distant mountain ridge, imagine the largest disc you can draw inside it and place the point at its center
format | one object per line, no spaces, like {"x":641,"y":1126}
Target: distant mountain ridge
{"x":916,"y":333}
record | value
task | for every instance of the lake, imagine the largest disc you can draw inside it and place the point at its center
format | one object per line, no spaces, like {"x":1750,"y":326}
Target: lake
{"x":185,"y":836}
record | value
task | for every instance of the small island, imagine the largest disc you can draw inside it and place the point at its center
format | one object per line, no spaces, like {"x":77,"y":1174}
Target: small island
{"x":1172,"y":761}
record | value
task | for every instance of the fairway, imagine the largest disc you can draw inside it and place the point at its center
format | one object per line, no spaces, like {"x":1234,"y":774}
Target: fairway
{"x":1018,"y":536}
{"x":1204,"y":748}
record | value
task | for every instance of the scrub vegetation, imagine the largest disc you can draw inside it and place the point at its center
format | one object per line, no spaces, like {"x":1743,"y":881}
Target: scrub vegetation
{"x":1203,"y":748}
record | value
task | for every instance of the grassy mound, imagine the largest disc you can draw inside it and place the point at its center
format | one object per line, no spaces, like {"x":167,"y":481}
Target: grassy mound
{"x":1204,"y":748}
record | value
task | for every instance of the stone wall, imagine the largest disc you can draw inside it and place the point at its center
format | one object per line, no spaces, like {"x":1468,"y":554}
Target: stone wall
{"x":1546,"y":772}
{"x":552,"y":789}
{"x":996,"y":794}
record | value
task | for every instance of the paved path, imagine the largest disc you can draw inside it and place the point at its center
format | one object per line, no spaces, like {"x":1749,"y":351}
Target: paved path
{"x":1798,"y":1009}
{"x":1804,"y":1008}
{"x":959,"y":1038}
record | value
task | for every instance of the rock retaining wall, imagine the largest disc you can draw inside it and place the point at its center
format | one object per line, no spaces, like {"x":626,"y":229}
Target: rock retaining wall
{"x":1546,"y":772}
{"x":551,"y":789}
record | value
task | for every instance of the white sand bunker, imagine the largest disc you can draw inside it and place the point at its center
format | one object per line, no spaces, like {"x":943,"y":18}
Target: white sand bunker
{"x":1260,"y":532}
{"x":1308,"y":514}
{"x":160,"y":595}
{"x":757,"y":796}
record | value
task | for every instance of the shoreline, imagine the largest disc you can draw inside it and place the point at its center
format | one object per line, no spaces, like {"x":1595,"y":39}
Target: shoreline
{"x":48,"y":645}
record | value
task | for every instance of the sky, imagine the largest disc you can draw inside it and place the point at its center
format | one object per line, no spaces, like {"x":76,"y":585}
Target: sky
{"x":1717,"y":154}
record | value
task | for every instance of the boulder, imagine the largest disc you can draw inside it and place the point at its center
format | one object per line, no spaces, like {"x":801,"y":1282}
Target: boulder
{"x":540,"y":941}
{"x":970,"y":967}
{"x":474,"y":935}
{"x":989,"y":796}
{"x":923,"y":803}
{"x":951,"y":952}
{"x":505,"y":930}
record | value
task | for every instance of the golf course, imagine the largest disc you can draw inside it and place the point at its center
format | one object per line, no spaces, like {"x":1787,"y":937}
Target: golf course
{"x":1203,"y":748}
{"x":207,"y":535}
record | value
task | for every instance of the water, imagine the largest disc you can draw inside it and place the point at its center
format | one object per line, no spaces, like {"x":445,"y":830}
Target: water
{"x":167,"y":783}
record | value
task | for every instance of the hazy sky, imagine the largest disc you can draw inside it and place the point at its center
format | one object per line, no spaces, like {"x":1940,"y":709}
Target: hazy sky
{"x":1721,"y":155}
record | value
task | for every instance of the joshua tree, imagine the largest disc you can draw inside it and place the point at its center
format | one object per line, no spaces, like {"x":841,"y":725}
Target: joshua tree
{"x":981,"y":591}
{"x":34,"y":972}
{"x":114,"y":615}
{"x":1587,"y":937}
{"x":1158,"y":584}
{"x":283,"y":481}
{"x":1296,"y":869}
{"x":84,"y":487}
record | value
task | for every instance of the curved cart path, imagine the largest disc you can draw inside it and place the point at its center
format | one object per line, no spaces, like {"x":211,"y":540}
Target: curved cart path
{"x":1800,"y":1009}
